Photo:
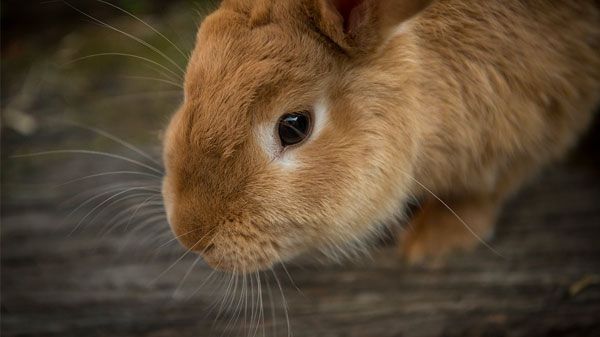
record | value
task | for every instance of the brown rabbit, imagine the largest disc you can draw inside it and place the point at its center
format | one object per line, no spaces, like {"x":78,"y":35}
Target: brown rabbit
{"x":307,"y":124}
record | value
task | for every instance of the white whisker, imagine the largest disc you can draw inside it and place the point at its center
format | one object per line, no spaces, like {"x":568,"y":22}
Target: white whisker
{"x":89,"y":152}
{"x":104,"y":202}
{"x":487,"y":245}
{"x":224,"y":298}
{"x":245,"y":294}
{"x":161,"y":80}
{"x":287,"y":317}
{"x":179,"y":236}
{"x":147,"y":25}
{"x":105,"y":188}
{"x":134,"y":38}
{"x":272,"y":306}
{"x":141,"y":205}
{"x":183,"y":255}
{"x":290,"y":277}
{"x":141,"y":226}
{"x":110,"y":174}
{"x":214,"y":270}
{"x":237,"y":310}
{"x":117,"y":140}
{"x":127,"y":55}
{"x":252,"y":305}
{"x":259,"y":305}
{"x":116,"y":219}
{"x":185,"y":276}
{"x":111,"y":189}
{"x":119,"y":218}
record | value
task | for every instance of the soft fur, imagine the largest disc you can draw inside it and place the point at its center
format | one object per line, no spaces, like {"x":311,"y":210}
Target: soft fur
{"x":463,"y":99}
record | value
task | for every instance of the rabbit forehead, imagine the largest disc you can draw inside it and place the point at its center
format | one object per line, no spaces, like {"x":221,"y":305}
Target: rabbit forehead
{"x":229,"y":50}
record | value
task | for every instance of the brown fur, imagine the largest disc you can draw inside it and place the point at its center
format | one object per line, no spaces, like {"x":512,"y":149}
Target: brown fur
{"x":466,"y":102}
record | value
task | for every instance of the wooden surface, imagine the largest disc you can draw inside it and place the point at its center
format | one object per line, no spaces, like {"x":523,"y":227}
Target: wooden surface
{"x":87,"y":284}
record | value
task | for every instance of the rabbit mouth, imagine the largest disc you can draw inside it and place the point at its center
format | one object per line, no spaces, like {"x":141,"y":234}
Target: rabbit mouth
{"x":238,"y":256}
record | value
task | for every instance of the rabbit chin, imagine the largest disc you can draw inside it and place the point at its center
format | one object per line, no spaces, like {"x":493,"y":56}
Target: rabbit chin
{"x":239,"y":256}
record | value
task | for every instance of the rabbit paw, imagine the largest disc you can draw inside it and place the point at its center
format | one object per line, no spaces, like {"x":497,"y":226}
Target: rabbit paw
{"x":440,"y":229}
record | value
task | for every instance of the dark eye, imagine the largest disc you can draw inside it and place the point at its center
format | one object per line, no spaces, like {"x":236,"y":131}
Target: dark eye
{"x":294,"y":127}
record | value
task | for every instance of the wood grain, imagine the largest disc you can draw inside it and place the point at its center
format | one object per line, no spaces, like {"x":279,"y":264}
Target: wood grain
{"x":86,"y":284}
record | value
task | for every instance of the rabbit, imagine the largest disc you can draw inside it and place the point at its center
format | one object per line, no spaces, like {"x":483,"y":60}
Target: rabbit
{"x":309,"y":125}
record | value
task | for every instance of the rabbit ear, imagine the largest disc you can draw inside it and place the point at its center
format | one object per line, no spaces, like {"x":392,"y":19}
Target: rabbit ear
{"x":359,"y":26}
{"x":352,"y":12}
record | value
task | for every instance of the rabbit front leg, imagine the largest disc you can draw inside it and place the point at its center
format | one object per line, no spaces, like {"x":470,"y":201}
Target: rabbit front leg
{"x":448,"y":225}
{"x":460,"y":222}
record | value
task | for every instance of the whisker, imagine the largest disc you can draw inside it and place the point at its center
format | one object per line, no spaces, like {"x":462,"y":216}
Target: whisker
{"x":252,"y":304}
{"x":162,"y":74}
{"x":218,"y":302}
{"x":110,"y":174}
{"x":135,"y":38}
{"x":487,"y":245}
{"x":160,"y":233}
{"x":231,"y":302}
{"x":117,"y":140}
{"x":144,"y":203}
{"x":213,"y":272}
{"x":229,"y":308}
{"x":143,"y":225}
{"x":103,"y":203}
{"x":118,"y":99}
{"x":161,"y":80}
{"x":245,"y":294}
{"x":290,"y":277}
{"x":120,"y":214}
{"x":208,"y":278}
{"x":179,"y":236}
{"x":110,"y":189}
{"x":127,"y":55}
{"x":118,"y":219}
{"x":272,"y":305}
{"x":114,"y":202}
{"x":225,"y":280}
{"x":285,"y":310}
{"x":147,"y":25}
{"x":105,"y":188}
{"x":224,"y":297}
{"x":182,"y":256}
{"x":185,"y":276}
{"x":88,"y":152}
{"x":237,"y":310}
{"x":260,"y":306}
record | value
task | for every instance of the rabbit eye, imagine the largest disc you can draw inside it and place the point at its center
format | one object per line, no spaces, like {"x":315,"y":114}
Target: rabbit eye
{"x":294,"y":127}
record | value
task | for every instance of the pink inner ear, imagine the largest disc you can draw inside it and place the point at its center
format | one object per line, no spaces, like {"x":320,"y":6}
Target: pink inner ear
{"x":345,"y":8}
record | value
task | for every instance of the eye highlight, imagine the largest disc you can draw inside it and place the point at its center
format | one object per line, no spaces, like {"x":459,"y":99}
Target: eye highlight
{"x":293,"y":128}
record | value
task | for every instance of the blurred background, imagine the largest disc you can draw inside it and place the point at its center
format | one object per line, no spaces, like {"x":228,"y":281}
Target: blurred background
{"x":86,"y":88}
